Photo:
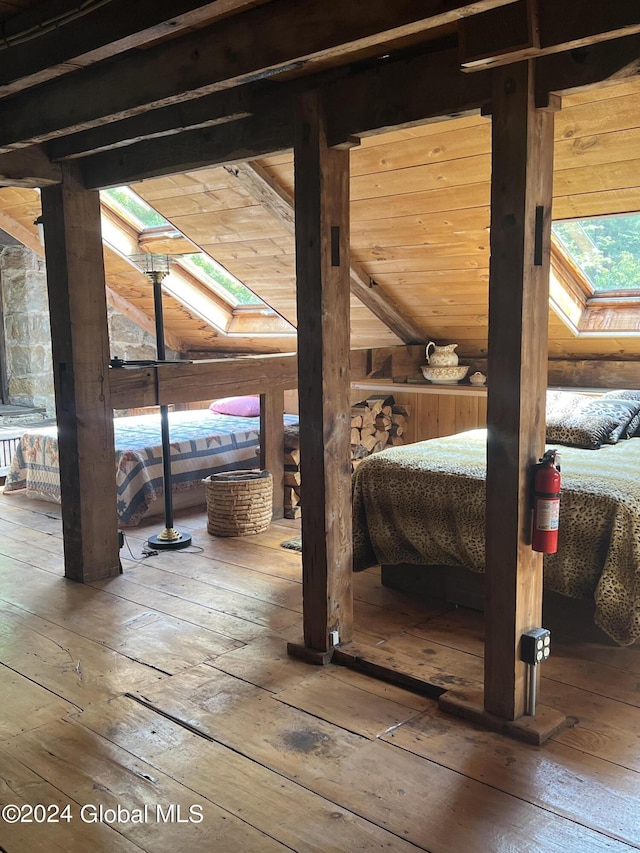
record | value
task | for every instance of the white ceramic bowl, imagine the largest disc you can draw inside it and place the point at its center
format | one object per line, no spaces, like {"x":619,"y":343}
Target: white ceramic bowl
{"x":477,"y":378}
{"x":448,"y":375}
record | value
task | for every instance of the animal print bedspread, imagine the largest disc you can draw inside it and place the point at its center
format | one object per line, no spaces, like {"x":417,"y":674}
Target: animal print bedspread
{"x":424,"y":504}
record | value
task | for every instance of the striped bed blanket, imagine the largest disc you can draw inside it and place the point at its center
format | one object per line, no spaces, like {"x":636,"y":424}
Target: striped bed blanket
{"x":202,"y":443}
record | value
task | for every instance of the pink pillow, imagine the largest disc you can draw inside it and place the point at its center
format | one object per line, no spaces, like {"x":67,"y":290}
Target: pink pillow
{"x":243,"y":407}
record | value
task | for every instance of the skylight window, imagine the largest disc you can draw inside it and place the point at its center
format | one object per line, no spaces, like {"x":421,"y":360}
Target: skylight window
{"x":144,"y":218}
{"x":605,"y":249}
{"x":134,"y":209}
{"x":221,"y":279}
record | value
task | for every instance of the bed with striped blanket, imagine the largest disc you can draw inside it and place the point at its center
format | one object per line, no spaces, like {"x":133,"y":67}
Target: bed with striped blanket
{"x":202,"y":443}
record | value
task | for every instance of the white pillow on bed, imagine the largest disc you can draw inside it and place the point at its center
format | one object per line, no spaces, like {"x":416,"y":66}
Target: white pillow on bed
{"x":242,"y":407}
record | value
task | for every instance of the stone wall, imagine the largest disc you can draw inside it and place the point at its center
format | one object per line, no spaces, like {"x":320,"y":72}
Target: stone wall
{"x":29,"y":371}
{"x":26,"y":327}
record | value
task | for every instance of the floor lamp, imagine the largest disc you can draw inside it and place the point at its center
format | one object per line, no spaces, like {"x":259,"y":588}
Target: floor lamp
{"x":156,"y":268}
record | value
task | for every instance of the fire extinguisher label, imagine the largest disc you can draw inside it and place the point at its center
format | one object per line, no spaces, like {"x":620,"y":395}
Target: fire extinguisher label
{"x":547,"y":514}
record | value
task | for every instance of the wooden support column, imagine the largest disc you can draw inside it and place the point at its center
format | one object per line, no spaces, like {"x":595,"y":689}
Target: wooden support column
{"x":521,"y":195}
{"x":80,"y":345}
{"x":322,"y":272}
{"x":272,"y":444}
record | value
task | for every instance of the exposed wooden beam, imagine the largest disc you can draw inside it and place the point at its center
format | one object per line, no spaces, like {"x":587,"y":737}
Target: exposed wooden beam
{"x":219,"y":108}
{"x":322,"y":281}
{"x":67,"y":36}
{"x":28,"y":167}
{"x":541,"y":28}
{"x":432,"y":87}
{"x":272,"y":444}
{"x":610,"y":61}
{"x":385,"y":309}
{"x":267,"y":191}
{"x":521,"y":196}
{"x":410,"y":91}
{"x":258,"y":43}
{"x":80,"y":348}
{"x":406,"y":93}
{"x":201,"y":380}
{"x":246,"y":139}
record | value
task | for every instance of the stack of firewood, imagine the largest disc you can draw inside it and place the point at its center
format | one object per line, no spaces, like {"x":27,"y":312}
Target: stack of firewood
{"x":291,"y":473}
{"x":376,"y":423}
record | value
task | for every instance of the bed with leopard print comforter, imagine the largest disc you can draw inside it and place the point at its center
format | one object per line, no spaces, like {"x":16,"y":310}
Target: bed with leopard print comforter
{"x":424,"y":504}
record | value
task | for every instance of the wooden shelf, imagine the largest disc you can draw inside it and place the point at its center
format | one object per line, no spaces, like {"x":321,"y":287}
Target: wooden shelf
{"x":420,"y":388}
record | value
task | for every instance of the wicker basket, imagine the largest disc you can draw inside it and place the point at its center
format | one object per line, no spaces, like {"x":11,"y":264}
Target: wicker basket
{"x":239,"y":502}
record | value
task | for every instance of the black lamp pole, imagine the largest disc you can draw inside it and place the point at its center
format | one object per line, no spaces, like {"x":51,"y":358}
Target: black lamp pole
{"x":156,"y":268}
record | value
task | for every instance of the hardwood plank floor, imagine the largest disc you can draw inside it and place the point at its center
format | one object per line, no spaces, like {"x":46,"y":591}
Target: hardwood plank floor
{"x":167,"y":693}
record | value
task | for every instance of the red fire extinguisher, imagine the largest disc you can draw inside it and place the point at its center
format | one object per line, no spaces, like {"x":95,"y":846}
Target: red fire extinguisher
{"x":546,"y":503}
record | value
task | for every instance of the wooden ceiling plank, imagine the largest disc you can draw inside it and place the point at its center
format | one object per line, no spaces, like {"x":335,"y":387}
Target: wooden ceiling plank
{"x":444,"y":201}
{"x":597,"y":204}
{"x":258,"y":43}
{"x":266,"y":190}
{"x":451,"y":143}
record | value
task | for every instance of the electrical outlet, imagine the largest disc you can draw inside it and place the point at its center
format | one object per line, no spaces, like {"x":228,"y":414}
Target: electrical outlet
{"x":535,"y":645}
{"x":334,"y":636}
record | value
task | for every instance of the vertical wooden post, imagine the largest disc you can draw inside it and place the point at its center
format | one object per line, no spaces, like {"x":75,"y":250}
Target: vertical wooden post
{"x":322,"y":272}
{"x":521,"y":195}
{"x":272,"y":444}
{"x":80,"y":346}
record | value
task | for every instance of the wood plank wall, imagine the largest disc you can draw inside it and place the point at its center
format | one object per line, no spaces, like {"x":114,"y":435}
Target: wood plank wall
{"x":434,"y":414}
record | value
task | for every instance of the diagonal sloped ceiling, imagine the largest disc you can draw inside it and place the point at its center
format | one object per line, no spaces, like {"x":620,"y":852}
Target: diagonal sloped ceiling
{"x":223,"y":219}
{"x":420,"y":210}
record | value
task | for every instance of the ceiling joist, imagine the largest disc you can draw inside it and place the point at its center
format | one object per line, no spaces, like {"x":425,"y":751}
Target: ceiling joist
{"x":264,"y":41}
{"x":53,"y":39}
{"x":487,"y":40}
{"x":405,"y":95}
{"x":183,"y":152}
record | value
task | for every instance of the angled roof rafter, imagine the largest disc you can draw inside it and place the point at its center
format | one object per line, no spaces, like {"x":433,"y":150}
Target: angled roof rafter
{"x":265,"y":190}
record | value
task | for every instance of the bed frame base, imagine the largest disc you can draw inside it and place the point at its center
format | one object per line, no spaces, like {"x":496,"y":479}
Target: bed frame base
{"x":452,"y":584}
{"x":535,"y":730}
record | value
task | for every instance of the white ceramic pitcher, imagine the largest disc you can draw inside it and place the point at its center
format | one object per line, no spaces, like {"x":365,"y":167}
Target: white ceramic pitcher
{"x":443,"y":356}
